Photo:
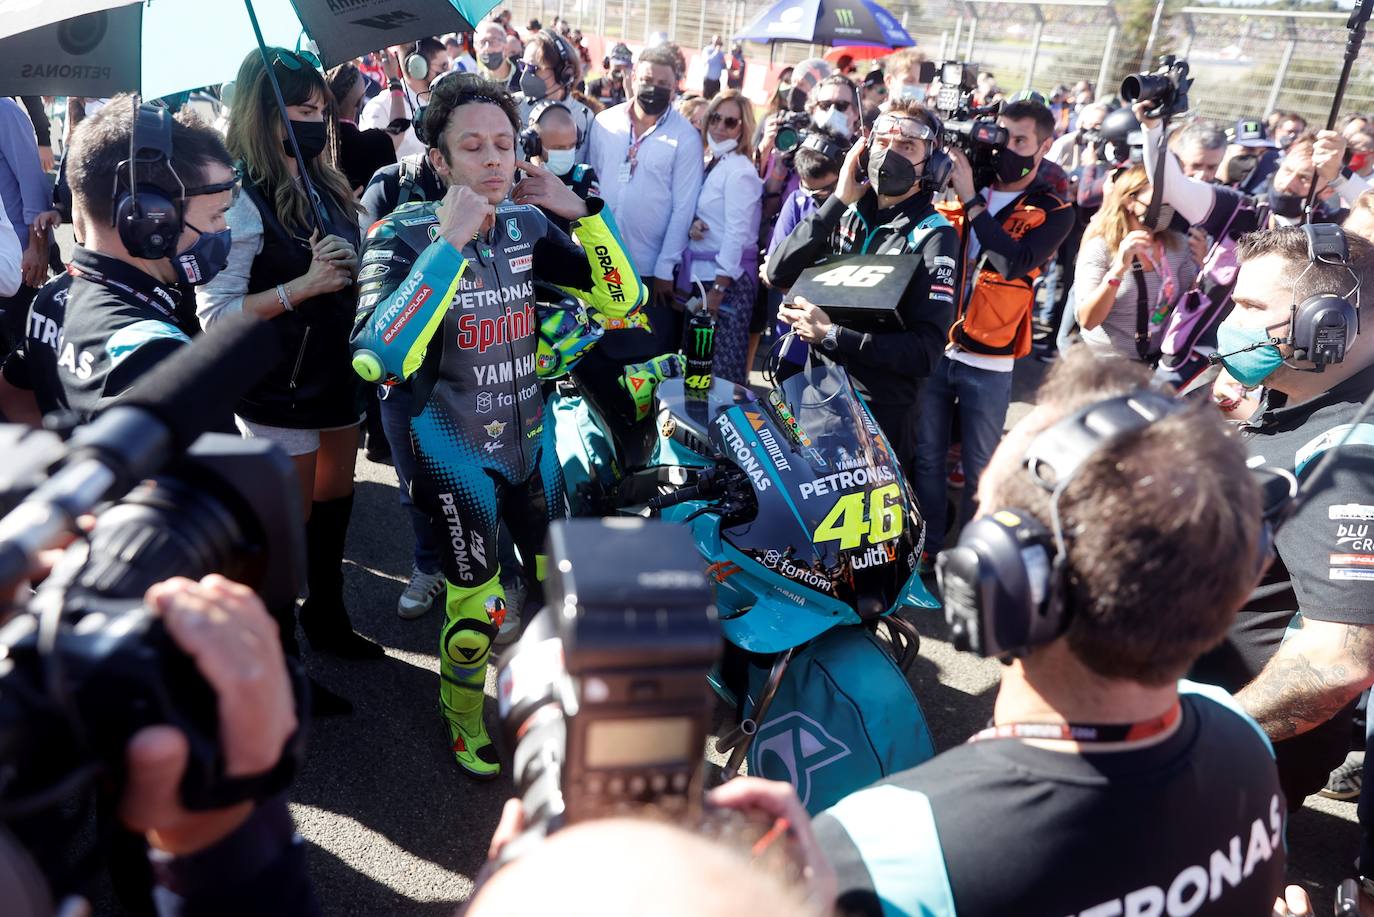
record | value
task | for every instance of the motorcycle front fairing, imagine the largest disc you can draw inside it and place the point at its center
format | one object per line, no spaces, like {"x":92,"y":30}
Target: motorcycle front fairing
{"x":836,"y":536}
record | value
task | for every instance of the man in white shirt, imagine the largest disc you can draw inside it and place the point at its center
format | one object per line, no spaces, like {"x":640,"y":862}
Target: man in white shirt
{"x":377,"y":112}
{"x":649,"y":159}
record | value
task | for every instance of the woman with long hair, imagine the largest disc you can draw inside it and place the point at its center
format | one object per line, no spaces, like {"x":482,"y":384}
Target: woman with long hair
{"x":1129,"y":277}
{"x":284,"y":269}
{"x":723,"y":240}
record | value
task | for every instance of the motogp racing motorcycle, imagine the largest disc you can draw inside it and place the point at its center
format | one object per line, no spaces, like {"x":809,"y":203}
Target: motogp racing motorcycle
{"x":811,"y":536}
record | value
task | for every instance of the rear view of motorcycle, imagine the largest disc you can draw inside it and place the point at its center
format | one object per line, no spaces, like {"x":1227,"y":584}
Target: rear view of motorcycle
{"x":810,"y":536}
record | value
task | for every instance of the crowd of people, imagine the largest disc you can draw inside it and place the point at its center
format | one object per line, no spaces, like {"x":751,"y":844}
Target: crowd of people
{"x":424,"y":197}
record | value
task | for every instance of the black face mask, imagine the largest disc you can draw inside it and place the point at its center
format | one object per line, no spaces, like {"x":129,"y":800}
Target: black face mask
{"x":891,"y":173}
{"x":1012,"y":167}
{"x":654,"y":100}
{"x":493,"y":61}
{"x":311,"y":136}
{"x":1286,"y":205}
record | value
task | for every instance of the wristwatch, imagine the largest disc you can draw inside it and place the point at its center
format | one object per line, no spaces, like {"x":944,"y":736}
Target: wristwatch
{"x":717,"y":288}
{"x":976,"y":201}
{"x":393,"y":85}
{"x":831,"y":341}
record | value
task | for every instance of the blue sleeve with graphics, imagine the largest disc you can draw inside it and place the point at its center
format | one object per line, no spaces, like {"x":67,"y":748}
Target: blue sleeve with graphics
{"x":400,"y":313}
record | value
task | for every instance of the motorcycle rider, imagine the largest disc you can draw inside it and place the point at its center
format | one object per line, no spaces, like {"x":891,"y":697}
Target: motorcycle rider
{"x":890,"y":215}
{"x":453,"y":310}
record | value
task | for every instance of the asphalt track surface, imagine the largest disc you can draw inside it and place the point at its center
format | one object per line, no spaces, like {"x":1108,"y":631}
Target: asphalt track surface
{"x":394,"y":827}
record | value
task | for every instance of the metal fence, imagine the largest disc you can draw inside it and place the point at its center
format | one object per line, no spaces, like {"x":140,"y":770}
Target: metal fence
{"x":1246,"y":61}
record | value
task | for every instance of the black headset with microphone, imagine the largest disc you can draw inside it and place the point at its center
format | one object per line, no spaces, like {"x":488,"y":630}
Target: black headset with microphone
{"x":1004,"y":584}
{"x":148,"y":221}
{"x":529,"y":138}
{"x":1323,"y":326}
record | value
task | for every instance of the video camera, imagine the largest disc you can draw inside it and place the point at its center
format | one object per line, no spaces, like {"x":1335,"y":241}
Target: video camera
{"x":604,"y":700}
{"x":972,"y":129}
{"x":1166,"y":87}
{"x":84,"y":665}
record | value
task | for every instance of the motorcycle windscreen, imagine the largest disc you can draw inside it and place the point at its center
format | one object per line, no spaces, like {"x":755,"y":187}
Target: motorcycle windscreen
{"x":834,"y":515}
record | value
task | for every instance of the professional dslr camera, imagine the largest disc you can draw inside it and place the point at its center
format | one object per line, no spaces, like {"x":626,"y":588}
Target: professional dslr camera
{"x":83,"y":664}
{"x":1166,"y":88}
{"x":974,"y":130}
{"x":604,"y":700}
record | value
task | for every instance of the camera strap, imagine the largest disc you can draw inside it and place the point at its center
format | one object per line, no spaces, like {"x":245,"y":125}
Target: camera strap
{"x":1142,"y":311}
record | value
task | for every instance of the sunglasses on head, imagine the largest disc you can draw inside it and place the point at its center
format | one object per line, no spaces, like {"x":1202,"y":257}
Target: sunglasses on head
{"x":839,"y":105}
{"x":729,"y":121}
{"x":297,"y":60}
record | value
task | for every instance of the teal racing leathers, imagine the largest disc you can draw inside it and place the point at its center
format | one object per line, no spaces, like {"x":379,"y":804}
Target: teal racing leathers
{"x":462,"y":326}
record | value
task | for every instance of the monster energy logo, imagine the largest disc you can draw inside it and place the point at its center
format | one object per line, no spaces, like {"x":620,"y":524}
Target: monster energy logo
{"x":845,"y":18}
{"x":702,"y":339}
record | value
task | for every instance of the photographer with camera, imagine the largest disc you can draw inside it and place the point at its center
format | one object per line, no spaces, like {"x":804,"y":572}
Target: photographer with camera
{"x":890,"y":214}
{"x":1075,"y":148}
{"x":1104,"y":784}
{"x":1010,"y":223}
{"x":127,"y":307}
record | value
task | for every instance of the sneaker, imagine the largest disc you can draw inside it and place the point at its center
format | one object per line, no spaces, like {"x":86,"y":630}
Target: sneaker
{"x":509,"y":628}
{"x":420,"y":594}
{"x":1346,"y":780}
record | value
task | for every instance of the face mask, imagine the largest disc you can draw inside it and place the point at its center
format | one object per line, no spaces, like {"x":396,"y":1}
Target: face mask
{"x":1250,"y":367}
{"x":891,"y":173}
{"x":1012,"y":167}
{"x":493,"y":61}
{"x":311,"y":137}
{"x":721,"y":148}
{"x":533,"y":86}
{"x":1358,"y":162}
{"x":832,"y":120}
{"x":560,"y":162}
{"x":206,"y":257}
{"x":654,"y":100}
{"x":1286,"y":205}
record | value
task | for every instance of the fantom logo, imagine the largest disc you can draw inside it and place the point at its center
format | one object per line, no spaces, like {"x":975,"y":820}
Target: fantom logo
{"x":845,"y":18}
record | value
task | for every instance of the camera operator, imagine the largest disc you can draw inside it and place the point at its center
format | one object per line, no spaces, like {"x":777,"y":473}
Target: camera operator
{"x":1170,"y":796}
{"x":1302,"y":650}
{"x":609,"y":89}
{"x":127,"y":308}
{"x":892,"y":214}
{"x":1074,"y":148}
{"x":1007,"y":236}
{"x":1200,"y":147}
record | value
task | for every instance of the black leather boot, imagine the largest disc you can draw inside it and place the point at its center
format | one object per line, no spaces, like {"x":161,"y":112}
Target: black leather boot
{"x":323,"y":615}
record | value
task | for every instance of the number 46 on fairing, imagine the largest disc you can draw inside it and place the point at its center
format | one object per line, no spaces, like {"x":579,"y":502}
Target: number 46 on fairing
{"x":877,"y":514}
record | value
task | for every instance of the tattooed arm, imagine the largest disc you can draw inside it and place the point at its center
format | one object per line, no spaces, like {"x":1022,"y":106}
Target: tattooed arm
{"x":1318,"y":670}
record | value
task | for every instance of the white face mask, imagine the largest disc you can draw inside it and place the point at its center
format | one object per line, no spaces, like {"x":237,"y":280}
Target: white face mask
{"x":721,"y":148}
{"x":560,"y":162}
{"x":832,"y":120}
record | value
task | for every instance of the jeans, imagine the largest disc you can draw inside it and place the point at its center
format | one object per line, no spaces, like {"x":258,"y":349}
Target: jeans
{"x":395,"y":409}
{"x":981,"y":398}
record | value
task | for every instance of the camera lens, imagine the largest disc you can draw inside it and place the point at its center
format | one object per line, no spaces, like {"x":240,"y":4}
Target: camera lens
{"x":787,"y":139}
{"x":1146,"y":87}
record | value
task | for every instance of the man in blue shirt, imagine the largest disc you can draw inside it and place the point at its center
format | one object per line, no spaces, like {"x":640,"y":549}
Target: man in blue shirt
{"x":26,"y":194}
{"x":714,"y":53}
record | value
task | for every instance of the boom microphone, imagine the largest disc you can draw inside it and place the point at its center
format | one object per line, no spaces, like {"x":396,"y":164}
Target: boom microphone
{"x":1214,"y":358}
{"x":192,"y":392}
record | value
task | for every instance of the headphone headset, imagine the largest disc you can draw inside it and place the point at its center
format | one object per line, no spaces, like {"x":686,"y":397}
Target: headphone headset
{"x":563,"y":73}
{"x":148,"y":221}
{"x":1004,"y":583}
{"x":1324,"y":325}
{"x":529,"y":138}
{"x":825,"y":145}
{"x":935,"y":175}
{"x":416,"y":65}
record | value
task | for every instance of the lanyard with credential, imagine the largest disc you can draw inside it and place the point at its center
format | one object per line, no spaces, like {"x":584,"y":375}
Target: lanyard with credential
{"x":106,"y":281}
{"x":627,"y":169}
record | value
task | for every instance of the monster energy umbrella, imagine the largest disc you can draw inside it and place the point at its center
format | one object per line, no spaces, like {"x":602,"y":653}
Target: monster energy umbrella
{"x":827,"y":22}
